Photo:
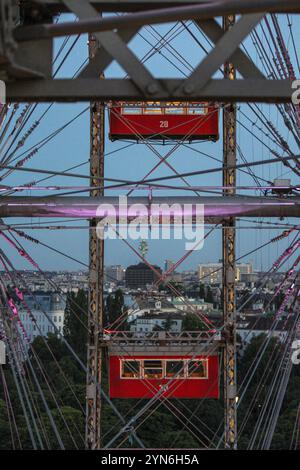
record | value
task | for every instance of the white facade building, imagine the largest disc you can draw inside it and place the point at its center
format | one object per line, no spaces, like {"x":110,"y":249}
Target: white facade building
{"x":211,"y":273}
{"x":48,"y":309}
{"x":189,"y":305}
{"x":150,"y":322}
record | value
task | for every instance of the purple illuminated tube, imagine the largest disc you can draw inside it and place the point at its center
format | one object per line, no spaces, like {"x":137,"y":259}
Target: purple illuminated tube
{"x":215,"y":208}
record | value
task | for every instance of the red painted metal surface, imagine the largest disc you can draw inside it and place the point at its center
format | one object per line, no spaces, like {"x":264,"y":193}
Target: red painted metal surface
{"x":178,"y":388}
{"x":164,"y":126}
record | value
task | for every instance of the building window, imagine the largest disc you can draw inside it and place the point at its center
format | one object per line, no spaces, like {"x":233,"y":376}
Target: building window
{"x":153,"y":369}
{"x":197,"y":369}
{"x":174,"y":368}
{"x":131,"y":369}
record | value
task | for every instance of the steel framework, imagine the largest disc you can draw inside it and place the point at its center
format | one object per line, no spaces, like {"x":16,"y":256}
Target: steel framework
{"x":229,"y":315}
{"x":27,"y":58}
{"x":96,"y":277}
{"x":213,"y":208}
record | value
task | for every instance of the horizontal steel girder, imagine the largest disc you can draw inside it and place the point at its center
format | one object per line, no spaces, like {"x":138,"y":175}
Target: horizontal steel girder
{"x":142,"y":84}
{"x":238,"y":6}
{"x":215,"y":208}
{"x":174,"y":12}
{"x":60,"y":90}
{"x":57,"y":6}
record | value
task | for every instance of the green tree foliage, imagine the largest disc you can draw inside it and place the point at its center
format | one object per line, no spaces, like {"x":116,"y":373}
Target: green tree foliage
{"x":75,"y":324}
{"x":192,"y":323}
{"x":114,"y":306}
{"x":202,"y":291}
{"x":161,"y":428}
{"x":170,"y":286}
{"x":5,"y":435}
{"x":209,"y":295}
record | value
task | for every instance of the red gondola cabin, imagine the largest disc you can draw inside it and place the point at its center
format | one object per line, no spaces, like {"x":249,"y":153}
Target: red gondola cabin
{"x":138,"y":376}
{"x":164,"y":121}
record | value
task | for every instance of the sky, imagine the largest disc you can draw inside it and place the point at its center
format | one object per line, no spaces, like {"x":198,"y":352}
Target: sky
{"x":71,"y":147}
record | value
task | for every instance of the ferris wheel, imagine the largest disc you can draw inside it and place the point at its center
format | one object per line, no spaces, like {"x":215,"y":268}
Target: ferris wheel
{"x":90,"y":119}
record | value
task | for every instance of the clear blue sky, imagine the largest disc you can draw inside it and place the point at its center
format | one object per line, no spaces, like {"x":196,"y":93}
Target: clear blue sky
{"x":71,"y":147}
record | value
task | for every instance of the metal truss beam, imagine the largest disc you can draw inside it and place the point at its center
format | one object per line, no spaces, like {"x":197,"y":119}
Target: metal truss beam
{"x":96,"y":277}
{"x":224,"y":7}
{"x":116,"y":48}
{"x":203,"y":10}
{"x":228,"y":239}
{"x":227,"y":45}
{"x":215,"y":208}
{"x":103,"y":6}
{"x":141,"y":84}
{"x":242,"y":63}
{"x":248,"y":90}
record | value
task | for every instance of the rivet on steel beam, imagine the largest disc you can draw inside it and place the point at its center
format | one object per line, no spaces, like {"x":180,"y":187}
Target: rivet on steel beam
{"x":189,"y":88}
{"x":152,"y":88}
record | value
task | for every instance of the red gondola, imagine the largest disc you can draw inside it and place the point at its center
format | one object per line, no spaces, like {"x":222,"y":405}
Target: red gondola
{"x":142,"y":376}
{"x":164,"y":121}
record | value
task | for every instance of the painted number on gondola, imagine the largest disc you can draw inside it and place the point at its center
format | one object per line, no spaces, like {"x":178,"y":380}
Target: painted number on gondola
{"x":163,"y":124}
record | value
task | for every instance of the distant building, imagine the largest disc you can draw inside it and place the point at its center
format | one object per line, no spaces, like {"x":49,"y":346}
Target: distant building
{"x":175,"y":277}
{"x":249,"y":278}
{"x":242,"y":268}
{"x":150,"y":322}
{"x":191,"y":305}
{"x":41,"y":306}
{"x":140,"y":275}
{"x":148,"y":305}
{"x":168,"y":264}
{"x":211,"y":273}
{"x":249,"y":327}
{"x":114,"y":273}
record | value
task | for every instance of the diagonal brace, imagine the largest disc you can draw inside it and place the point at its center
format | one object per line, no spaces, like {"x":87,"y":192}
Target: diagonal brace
{"x":221,"y":53}
{"x":241,"y":61}
{"x":117,"y":49}
{"x":102,"y":58}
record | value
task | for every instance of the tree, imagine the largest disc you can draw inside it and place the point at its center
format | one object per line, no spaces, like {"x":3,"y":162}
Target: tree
{"x":114,"y":306}
{"x":175,"y":285}
{"x":209,"y":295}
{"x":75,"y":324}
{"x":192,"y":323}
{"x":5,"y":440}
{"x":202,"y":292}
{"x":168,"y":324}
{"x":278,"y":300}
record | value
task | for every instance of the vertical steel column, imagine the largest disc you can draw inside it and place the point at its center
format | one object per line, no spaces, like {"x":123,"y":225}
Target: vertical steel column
{"x":96,"y":276}
{"x":229,"y":180}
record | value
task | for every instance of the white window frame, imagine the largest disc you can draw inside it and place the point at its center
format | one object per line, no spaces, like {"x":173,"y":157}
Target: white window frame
{"x":205,"y":361}
{"x":122,"y":361}
{"x":181,"y":377}
{"x":162,"y":368}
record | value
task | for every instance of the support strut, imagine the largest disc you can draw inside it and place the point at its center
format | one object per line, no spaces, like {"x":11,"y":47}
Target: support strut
{"x":96,"y":273}
{"x":229,"y":181}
